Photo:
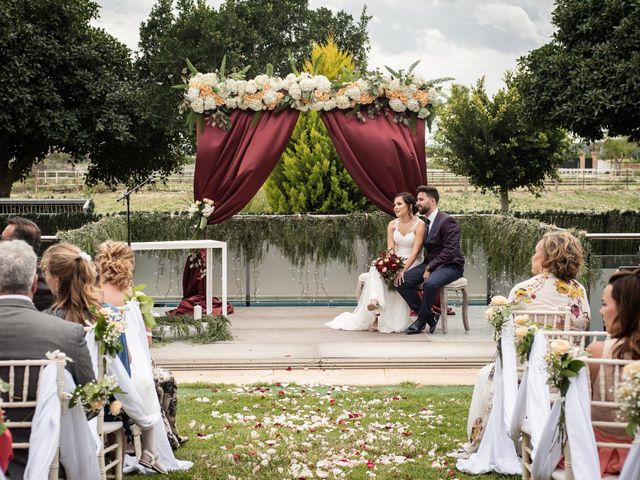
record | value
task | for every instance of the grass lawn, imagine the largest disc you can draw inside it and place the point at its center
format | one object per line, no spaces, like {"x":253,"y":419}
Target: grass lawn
{"x":592,"y":199}
{"x":288,"y":431}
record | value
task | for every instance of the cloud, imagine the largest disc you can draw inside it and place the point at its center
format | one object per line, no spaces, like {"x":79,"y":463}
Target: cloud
{"x":440,"y":57}
{"x":507,"y":18}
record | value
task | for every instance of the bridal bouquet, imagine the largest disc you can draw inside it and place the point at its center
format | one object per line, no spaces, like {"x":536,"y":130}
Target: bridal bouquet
{"x":389,"y":265}
{"x":629,"y":396}
{"x":93,"y":396}
{"x":109,"y":326}
{"x":525,"y":331}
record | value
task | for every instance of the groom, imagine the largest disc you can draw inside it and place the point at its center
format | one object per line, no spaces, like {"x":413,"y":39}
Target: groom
{"x":444,"y":261}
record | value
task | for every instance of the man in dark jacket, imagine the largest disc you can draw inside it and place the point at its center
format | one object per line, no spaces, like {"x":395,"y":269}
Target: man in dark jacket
{"x":19,"y":228}
{"x":28,"y":334}
{"x":444,"y":261}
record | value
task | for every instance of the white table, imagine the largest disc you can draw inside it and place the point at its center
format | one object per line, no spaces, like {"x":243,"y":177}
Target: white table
{"x":208,"y":245}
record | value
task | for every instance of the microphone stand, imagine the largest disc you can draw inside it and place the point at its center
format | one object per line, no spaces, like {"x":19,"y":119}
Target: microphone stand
{"x":127,"y":197}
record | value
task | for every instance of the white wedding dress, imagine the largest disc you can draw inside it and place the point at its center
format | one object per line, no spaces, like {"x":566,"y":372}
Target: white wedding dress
{"x":393,"y":310}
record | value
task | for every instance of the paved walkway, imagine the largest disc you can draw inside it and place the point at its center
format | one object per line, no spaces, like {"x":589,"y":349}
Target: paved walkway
{"x":291,"y":344}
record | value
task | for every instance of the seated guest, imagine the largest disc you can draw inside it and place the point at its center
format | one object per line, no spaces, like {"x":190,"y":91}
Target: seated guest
{"x":19,"y":228}
{"x":71,"y":276}
{"x":621,"y":315}
{"x":29,"y":334}
{"x":115,"y":263}
{"x":555,"y":265}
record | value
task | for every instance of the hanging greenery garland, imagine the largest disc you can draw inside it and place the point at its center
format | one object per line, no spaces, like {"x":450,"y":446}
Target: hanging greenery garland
{"x":325,"y":239}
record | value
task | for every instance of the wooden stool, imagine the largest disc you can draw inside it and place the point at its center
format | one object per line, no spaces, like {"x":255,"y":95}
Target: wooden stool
{"x":455,"y":286}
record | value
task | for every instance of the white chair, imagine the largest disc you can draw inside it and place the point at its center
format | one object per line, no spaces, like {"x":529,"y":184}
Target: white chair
{"x":112,"y":438}
{"x":22,"y":377}
{"x":578,"y":339}
{"x":551,"y":319}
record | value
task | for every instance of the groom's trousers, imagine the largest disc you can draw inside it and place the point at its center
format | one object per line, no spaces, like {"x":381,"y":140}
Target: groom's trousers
{"x":437,"y":279}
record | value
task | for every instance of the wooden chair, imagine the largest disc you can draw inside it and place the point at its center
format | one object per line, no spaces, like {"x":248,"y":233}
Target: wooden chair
{"x":22,"y":377}
{"x":112,"y":439}
{"x":459,"y":285}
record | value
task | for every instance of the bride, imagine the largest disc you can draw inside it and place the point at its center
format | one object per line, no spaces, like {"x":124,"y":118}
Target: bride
{"x":378,"y":307}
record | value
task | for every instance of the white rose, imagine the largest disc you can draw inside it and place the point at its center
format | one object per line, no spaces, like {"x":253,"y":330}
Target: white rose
{"x":329,"y":104}
{"x":193,"y":94}
{"x":231,"y":85}
{"x":397,"y":105}
{"x":307,"y":85}
{"x":269,"y":97}
{"x":209,"y":103}
{"x":197,"y":78}
{"x":353,"y":92}
{"x":433,"y":95}
{"x":413,"y":105}
{"x":395,"y":84}
{"x":489,"y":312}
{"x":231,"y":103}
{"x":250,"y":87}
{"x":240,"y":86}
{"x":521,"y":331}
{"x":559,"y":346}
{"x":323,"y":84}
{"x":499,"y":300}
{"x":291,"y":78}
{"x":261,"y":80}
{"x":255,"y":105}
{"x":521,"y":319}
{"x":210,"y":79}
{"x":363,"y":84}
{"x":342,"y":102}
{"x":295,"y":92}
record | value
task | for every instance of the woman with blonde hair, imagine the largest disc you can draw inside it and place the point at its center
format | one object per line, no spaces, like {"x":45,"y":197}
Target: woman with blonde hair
{"x":621,"y":316}
{"x":556,"y":264}
{"x":72,"y":277}
{"x":115,"y":264}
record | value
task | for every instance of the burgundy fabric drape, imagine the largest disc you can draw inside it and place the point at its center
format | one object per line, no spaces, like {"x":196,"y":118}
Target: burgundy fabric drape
{"x":231,"y":166}
{"x":383,"y":158}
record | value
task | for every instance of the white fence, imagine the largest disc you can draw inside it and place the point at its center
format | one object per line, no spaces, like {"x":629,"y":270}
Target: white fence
{"x":73,"y":180}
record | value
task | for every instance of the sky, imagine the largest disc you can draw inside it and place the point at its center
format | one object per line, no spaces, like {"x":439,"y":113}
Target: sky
{"x":463,"y":39}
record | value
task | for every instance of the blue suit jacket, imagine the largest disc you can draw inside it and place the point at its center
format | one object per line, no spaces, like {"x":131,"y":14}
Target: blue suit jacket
{"x":442,"y":243}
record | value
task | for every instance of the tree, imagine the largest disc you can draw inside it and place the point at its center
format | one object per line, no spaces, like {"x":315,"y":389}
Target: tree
{"x":310,"y":176}
{"x":491,"y":142}
{"x":587,"y":79}
{"x":68,"y":86}
{"x":617,"y":149}
{"x":250,"y":33}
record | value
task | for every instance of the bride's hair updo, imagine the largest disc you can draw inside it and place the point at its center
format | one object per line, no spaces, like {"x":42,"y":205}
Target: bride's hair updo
{"x":410,"y":200}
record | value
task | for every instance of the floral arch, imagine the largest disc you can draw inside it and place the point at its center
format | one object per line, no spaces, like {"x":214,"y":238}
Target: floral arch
{"x":376,"y":123}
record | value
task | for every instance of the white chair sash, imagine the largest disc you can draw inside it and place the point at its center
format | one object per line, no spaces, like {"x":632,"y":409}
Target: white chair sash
{"x":143,"y":383}
{"x":532,"y":405}
{"x":631,"y":469}
{"x":582,"y":441}
{"x":45,"y":426}
{"x":131,"y":401}
{"x":497,"y":452}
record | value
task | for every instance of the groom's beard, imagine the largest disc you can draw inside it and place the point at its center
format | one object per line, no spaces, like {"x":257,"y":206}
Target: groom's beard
{"x":423,"y":210}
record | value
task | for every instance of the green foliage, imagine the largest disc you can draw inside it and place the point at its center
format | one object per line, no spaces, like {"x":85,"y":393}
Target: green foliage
{"x":490,"y":141}
{"x":182,"y":327}
{"x":310,"y":176}
{"x":247,"y":34}
{"x":323,"y":239}
{"x":70,"y":86}
{"x":618,"y":149}
{"x":587,"y":79}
